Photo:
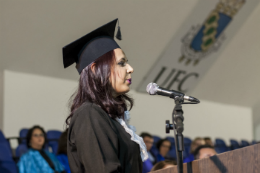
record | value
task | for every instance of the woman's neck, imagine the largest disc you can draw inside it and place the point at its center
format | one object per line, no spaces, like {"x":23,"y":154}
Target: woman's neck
{"x":36,"y":147}
{"x":163,"y":154}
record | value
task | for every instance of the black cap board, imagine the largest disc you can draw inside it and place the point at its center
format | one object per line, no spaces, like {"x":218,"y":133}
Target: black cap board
{"x":88,"y":48}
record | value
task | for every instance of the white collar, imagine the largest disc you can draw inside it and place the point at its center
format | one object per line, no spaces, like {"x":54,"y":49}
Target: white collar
{"x":134,"y":137}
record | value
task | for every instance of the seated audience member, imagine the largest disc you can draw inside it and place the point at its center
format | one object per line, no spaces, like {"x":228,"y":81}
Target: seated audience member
{"x":38,"y":160}
{"x":148,"y":164}
{"x":164,"y":146}
{"x":208,"y":141}
{"x":204,"y":151}
{"x":62,"y":151}
{"x":148,"y":140}
{"x":163,"y":165}
{"x":194,"y":145}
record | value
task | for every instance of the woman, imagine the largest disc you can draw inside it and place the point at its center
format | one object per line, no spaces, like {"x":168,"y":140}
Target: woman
{"x":99,"y":137}
{"x":62,"y":151}
{"x":164,"y":146}
{"x":37,"y":159}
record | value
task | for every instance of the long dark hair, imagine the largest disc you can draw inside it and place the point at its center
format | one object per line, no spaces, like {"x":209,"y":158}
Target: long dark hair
{"x":95,"y":87}
{"x":30,"y":133}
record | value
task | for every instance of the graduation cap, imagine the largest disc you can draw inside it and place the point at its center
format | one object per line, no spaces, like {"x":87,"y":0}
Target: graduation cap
{"x":88,"y":48}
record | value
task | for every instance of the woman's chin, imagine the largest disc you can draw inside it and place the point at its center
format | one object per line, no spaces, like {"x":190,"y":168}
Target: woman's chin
{"x":123,"y":91}
{"x":127,"y":90}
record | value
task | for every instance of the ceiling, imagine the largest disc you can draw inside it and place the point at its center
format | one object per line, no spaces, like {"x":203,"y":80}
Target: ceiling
{"x":32,"y":35}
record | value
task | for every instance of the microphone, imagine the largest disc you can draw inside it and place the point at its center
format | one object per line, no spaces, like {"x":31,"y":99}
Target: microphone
{"x":153,"y":89}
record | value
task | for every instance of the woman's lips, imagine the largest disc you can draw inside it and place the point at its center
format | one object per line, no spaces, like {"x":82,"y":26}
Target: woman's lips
{"x":129,"y":81}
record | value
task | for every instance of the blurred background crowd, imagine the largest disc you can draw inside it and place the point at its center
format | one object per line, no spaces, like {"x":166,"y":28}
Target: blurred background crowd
{"x":40,"y":151}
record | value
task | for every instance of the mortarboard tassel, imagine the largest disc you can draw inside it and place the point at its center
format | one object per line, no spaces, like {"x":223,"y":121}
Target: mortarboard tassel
{"x":118,"y":34}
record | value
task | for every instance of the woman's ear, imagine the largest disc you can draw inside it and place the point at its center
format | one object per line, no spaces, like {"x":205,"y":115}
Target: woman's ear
{"x":93,"y":65}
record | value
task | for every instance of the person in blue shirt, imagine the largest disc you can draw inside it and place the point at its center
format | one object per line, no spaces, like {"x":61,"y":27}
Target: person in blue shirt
{"x":36,"y":159}
{"x":148,"y":164}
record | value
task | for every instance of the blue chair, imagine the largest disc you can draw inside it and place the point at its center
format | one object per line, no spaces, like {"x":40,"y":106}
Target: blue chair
{"x":156,"y":139}
{"x":53,"y":139}
{"x":244,"y":143}
{"x":187,"y":140}
{"x":7,"y":164}
{"x":171,"y":139}
{"x":253,"y":142}
{"x":187,"y":143}
{"x":220,"y":146}
{"x":154,"y":149}
{"x":172,"y":153}
{"x":23,"y":134}
{"x":234,"y":144}
{"x":2,"y":137}
{"x":4,"y":140}
{"x":20,"y":150}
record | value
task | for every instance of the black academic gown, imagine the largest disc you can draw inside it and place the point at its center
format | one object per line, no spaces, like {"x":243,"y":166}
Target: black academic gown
{"x":99,"y":144}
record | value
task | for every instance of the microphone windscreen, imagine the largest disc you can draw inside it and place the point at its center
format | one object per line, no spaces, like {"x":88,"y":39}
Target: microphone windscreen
{"x":152,"y":88}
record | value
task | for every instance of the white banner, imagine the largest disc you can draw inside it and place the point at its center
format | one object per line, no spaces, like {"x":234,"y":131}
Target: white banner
{"x":198,"y":43}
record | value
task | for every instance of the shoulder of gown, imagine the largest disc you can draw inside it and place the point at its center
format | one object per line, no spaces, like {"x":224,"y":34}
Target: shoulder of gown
{"x":92,"y":140}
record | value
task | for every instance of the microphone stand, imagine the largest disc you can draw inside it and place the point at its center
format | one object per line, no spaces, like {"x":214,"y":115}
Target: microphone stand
{"x":177,"y":127}
{"x":177,"y":117}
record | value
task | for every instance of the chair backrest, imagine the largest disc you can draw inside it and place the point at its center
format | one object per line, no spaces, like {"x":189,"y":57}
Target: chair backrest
{"x":20,"y":150}
{"x":234,"y":144}
{"x":7,"y":164}
{"x":187,"y":143}
{"x":154,"y":151}
{"x":4,"y":140}
{"x":2,"y":137}
{"x":172,"y":153}
{"x":6,"y":154}
{"x":8,"y":167}
{"x":254,"y":142}
{"x":171,"y":139}
{"x":220,"y":146}
{"x":156,"y":139}
{"x":22,"y":134}
{"x":53,"y":137}
{"x":220,"y":142}
{"x":244,"y":143}
{"x":53,"y":134}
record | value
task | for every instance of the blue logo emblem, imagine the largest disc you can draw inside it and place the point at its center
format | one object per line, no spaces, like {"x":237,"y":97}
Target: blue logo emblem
{"x":200,"y":41}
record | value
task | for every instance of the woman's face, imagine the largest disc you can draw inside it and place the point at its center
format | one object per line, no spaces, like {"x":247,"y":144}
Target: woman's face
{"x":165,"y":147}
{"x":37,"y":139}
{"x":121,"y":78}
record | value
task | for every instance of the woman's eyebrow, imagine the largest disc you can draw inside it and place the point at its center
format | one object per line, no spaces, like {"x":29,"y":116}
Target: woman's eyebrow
{"x":124,"y":59}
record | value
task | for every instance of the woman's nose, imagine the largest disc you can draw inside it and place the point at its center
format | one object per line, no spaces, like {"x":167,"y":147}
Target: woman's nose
{"x":130,"y":69}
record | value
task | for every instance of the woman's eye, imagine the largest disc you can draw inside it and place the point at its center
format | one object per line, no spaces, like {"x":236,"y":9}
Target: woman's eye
{"x":122,"y":63}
